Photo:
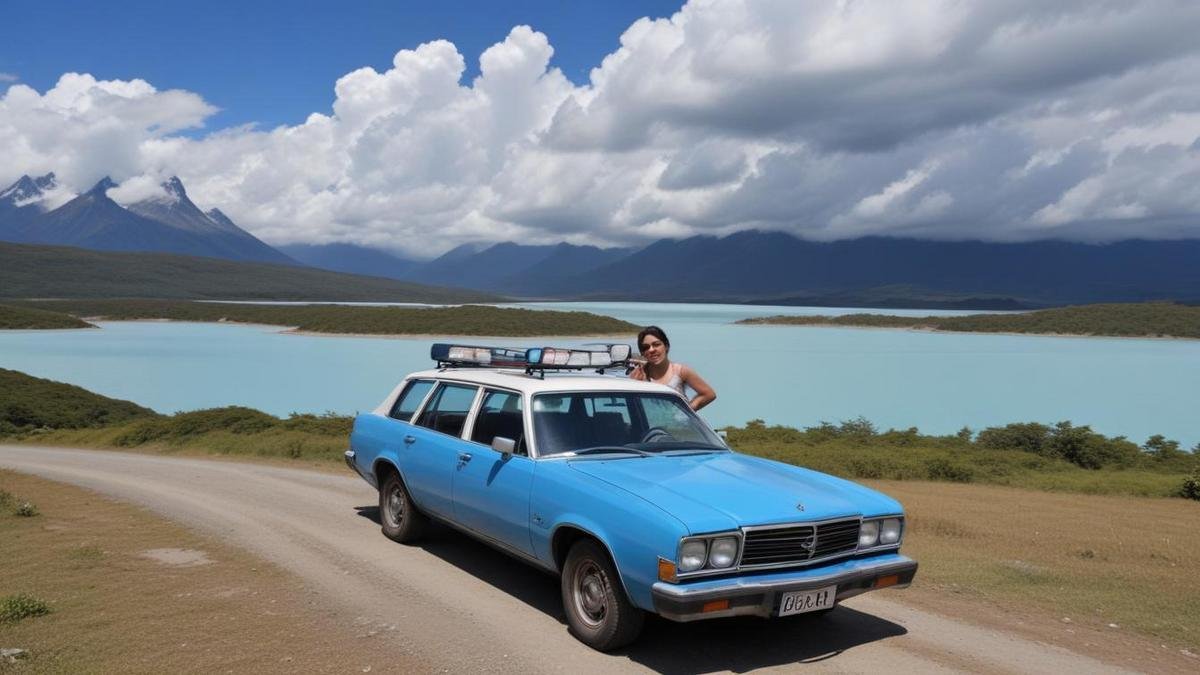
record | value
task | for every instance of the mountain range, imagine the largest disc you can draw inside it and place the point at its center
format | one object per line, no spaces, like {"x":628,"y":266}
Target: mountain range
{"x":748,"y":266}
{"x":168,"y":222}
{"x":778,"y":268}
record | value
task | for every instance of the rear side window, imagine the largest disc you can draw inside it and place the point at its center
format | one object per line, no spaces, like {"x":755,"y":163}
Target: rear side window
{"x":447,"y":410}
{"x":410,"y":399}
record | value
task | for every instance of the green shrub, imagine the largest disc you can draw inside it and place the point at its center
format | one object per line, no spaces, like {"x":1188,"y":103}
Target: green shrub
{"x":13,"y":608}
{"x":1028,"y":437}
{"x":1191,"y":486}
{"x":26,"y":510}
{"x":6,"y":499}
{"x":944,"y":470}
{"x":142,"y":432}
{"x":234,"y":419}
{"x":28,"y":403}
{"x":329,"y":424}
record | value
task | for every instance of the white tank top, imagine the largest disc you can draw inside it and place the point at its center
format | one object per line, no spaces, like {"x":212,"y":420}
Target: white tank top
{"x":674,"y":378}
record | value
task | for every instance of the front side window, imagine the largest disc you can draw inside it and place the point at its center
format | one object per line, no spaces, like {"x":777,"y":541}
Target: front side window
{"x":447,"y":409}
{"x":500,"y":415}
{"x":565,"y":423}
{"x":410,"y":399}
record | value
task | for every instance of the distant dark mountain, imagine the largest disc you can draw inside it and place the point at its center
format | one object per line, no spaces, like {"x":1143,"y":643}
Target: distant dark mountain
{"x":350,"y":258}
{"x":21,"y":202}
{"x":170,"y":223}
{"x":29,"y":271}
{"x":174,"y":208}
{"x":777,"y":268}
{"x":544,"y":278}
{"x":762,"y":265}
{"x":531,"y":271}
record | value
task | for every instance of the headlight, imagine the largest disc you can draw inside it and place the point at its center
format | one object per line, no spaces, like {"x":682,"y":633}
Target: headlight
{"x":692,"y":555}
{"x":723,"y":552}
{"x":868,"y":534}
{"x":889,"y":531}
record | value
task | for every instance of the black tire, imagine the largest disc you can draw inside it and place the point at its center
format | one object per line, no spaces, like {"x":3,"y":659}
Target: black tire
{"x":598,"y":612}
{"x":398,"y":515}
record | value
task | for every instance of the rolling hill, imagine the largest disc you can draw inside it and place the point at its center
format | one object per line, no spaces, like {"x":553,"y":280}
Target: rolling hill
{"x":30,"y":271}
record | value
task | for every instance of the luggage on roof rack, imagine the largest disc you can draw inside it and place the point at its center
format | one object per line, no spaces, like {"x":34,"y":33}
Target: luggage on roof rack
{"x":538,"y":359}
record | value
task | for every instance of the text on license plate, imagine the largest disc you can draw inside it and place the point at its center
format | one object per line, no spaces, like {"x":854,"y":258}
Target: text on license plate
{"x":798,"y":602}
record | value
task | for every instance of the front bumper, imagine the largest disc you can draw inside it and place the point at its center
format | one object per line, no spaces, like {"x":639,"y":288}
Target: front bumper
{"x":759,"y":595}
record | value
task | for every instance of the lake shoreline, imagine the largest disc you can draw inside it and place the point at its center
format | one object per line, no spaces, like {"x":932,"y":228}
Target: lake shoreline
{"x":933,"y":330}
{"x":293,"y":330}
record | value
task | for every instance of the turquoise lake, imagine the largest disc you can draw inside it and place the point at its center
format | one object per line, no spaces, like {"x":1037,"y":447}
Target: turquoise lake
{"x":797,"y":376}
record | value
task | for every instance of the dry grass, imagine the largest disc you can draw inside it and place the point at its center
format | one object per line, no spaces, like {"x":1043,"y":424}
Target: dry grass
{"x":112,"y":609}
{"x":1095,"y":560}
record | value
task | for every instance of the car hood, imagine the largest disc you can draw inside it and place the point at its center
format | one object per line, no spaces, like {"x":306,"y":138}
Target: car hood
{"x":722,"y":491}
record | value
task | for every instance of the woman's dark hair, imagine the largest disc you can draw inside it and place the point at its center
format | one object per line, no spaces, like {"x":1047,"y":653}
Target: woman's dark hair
{"x":656,"y":332}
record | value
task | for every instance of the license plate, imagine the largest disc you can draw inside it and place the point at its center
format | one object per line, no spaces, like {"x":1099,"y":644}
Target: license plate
{"x":799,"y":602}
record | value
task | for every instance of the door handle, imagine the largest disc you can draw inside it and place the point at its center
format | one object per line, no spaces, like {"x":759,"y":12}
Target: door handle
{"x":409,"y":440}
{"x":463,"y":458}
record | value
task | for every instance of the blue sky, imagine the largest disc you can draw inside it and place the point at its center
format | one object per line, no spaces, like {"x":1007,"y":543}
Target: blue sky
{"x":939,"y":119}
{"x":273,"y":63}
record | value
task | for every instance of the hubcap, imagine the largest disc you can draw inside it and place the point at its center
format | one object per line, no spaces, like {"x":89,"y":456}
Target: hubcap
{"x":590,"y":591}
{"x":395,"y":507}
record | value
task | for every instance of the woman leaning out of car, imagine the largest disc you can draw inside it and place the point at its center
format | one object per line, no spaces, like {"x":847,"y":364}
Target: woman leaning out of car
{"x":657,"y":367}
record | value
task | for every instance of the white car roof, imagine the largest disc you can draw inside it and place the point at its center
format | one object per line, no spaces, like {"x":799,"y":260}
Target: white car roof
{"x":518,"y":380}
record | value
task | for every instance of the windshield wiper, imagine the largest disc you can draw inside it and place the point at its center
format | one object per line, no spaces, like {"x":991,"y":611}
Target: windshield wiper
{"x":667,"y":446}
{"x":601,"y":449}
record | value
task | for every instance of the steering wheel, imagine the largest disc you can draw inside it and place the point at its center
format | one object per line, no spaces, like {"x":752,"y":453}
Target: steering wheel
{"x":654,"y":434}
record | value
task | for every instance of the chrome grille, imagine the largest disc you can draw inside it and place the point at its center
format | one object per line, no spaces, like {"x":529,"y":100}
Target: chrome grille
{"x":798,"y":544}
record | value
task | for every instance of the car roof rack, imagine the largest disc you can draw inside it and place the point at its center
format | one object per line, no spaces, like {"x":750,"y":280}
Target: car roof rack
{"x":533,"y":360}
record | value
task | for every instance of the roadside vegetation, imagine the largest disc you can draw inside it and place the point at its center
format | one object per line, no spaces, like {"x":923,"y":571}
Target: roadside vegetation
{"x":353,"y":319}
{"x":27,"y":318}
{"x":29,"y":404}
{"x":1061,"y":457}
{"x":1147,"y":319}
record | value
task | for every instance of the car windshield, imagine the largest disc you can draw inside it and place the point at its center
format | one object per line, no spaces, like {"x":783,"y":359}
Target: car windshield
{"x":633,"y":424}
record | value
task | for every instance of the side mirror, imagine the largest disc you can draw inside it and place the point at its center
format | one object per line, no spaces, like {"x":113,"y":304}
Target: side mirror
{"x":723,"y":434}
{"x":504,"y":446}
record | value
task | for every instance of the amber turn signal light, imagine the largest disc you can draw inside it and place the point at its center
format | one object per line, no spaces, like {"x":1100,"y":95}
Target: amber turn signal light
{"x":715,"y":606}
{"x":889,"y":580}
{"x":666,"y":570}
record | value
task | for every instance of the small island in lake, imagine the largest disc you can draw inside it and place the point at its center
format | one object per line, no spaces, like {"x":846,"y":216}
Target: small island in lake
{"x":1145,"y":319}
{"x":29,"y":318}
{"x":481,"y":320}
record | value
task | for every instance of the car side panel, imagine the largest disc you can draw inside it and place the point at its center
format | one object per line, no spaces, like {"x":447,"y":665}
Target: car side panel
{"x":427,"y":463}
{"x":635,"y":531}
{"x":491,"y":495}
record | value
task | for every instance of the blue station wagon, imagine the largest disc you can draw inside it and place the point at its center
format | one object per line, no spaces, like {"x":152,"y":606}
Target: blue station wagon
{"x":621,"y":490}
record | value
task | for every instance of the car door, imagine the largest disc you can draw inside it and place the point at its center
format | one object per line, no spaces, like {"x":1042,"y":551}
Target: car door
{"x":491,"y":489}
{"x":433,"y":444}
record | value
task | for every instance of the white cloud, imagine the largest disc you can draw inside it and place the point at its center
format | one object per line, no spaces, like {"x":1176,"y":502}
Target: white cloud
{"x":8,"y":77}
{"x":938,"y":118}
{"x":138,"y":189}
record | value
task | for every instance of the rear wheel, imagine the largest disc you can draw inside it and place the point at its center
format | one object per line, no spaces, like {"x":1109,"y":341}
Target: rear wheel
{"x":399,"y":517}
{"x":597,"y":610}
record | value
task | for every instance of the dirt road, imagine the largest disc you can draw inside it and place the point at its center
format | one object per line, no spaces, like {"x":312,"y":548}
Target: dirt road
{"x":457,"y":605}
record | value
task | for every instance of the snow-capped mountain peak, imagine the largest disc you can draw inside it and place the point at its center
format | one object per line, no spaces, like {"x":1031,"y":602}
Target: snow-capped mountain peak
{"x":29,"y":191}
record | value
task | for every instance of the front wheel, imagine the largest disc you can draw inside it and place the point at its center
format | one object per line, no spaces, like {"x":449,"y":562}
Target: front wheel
{"x":399,"y":517}
{"x":598,"y":612}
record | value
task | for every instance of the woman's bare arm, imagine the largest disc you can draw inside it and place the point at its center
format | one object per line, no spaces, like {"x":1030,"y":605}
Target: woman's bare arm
{"x":705,"y":394}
